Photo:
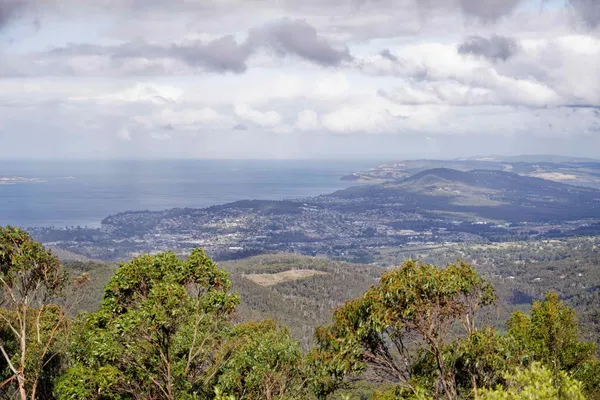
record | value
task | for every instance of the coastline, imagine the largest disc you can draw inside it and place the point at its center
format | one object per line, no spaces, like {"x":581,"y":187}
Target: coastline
{"x":97,"y":190}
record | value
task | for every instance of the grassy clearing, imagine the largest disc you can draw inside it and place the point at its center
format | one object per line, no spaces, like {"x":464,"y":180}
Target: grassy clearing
{"x":283,"y":277}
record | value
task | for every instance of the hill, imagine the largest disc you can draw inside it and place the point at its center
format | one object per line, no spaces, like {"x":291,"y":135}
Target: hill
{"x":520,"y":271}
{"x":496,"y":195}
{"x":572,"y":170}
{"x":65,"y":255}
{"x":548,"y":158}
{"x":302,"y":301}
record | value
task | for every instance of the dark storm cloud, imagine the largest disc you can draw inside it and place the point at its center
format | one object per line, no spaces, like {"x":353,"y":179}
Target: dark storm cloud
{"x":488,"y":10}
{"x":491,"y":10}
{"x":225,"y":54}
{"x":588,"y":10}
{"x":220,"y":55}
{"x":494,"y":48}
{"x":10,"y":9}
{"x":298,"y":38}
{"x":388,"y":55}
{"x":483,"y":10}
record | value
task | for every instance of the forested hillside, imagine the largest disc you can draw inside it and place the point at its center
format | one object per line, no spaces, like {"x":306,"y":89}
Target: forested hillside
{"x":520,"y":271}
{"x":301,"y":303}
{"x":294,"y":327}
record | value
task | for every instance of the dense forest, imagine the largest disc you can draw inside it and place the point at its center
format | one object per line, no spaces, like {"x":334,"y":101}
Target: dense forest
{"x":164,"y":327}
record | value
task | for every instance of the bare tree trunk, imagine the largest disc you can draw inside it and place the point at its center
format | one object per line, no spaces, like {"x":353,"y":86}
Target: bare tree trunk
{"x":169,"y":380}
{"x":23,"y":346}
{"x":22,"y":391}
{"x":446,"y":380}
{"x":33,"y":391}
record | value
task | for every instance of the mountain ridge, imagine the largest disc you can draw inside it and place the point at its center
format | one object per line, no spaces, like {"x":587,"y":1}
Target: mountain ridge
{"x":493,"y":194}
{"x":492,"y":179}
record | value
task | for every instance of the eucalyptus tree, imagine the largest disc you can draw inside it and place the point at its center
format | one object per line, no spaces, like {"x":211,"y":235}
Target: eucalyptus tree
{"x":33,"y":315}
{"x":156,"y":334}
{"x":416,"y":303}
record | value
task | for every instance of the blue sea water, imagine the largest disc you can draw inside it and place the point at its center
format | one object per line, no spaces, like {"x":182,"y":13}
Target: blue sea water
{"x":82,"y":193}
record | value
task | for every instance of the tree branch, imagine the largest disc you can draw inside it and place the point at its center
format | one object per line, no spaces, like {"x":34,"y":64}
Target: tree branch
{"x":7,"y":358}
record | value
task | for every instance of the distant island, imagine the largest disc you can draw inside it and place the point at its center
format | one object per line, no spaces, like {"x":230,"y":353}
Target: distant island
{"x":10,"y":180}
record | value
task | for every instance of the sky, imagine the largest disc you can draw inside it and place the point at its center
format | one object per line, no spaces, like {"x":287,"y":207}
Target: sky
{"x":295,"y":79}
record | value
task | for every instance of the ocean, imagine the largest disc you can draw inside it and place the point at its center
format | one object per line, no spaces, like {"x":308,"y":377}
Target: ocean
{"x":82,"y":193}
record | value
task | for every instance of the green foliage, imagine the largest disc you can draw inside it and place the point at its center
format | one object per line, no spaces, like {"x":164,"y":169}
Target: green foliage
{"x":551,"y":336}
{"x":416,"y":299}
{"x":81,"y":382}
{"x":26,"y":268}
{"x":418,"y":393}
{"x":33,"y":328}
{"x":589,"y":375}
{"x":535,"y":383}
{"x":478,"y":360}
{"x":45,"y":331}
{"x":219,"y":395}
{"x":261,"y":361}
{"x":164,"y":330}
{"x":154,"y":336}
{"x":475,"y":361}
{"x":333,"y":360}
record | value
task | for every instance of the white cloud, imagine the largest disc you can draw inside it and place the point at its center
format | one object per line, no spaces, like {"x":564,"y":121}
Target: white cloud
{"x":548,"y":71}
{"x":308,"y":120}
{"x":363,"y":118}
{"x":140,"y":92}
{"x":184,"y":120}
{"x":514,"y":121}
{"x":334,"y":86}
{"x":160,"y":136}
{"x":263,"y":119}
{"x":124,"y":134}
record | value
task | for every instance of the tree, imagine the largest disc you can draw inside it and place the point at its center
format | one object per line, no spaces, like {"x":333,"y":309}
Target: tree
{"x":334,"y":360}
{"x":416,"y":302}
{"x":551,"y":336}
{"x":31,"y":323}
{"x":535,"y":383}
{"x":156,"y":333}
{"x":589,"y":375}
{"x":261,"y":361}
{"x":476,"y":361}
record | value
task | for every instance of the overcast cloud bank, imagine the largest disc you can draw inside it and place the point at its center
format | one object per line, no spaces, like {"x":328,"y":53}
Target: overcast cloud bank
{"x":289,"y":79}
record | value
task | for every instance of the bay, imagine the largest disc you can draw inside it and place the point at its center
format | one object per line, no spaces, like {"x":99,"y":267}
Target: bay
{"x":82,"y":193}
